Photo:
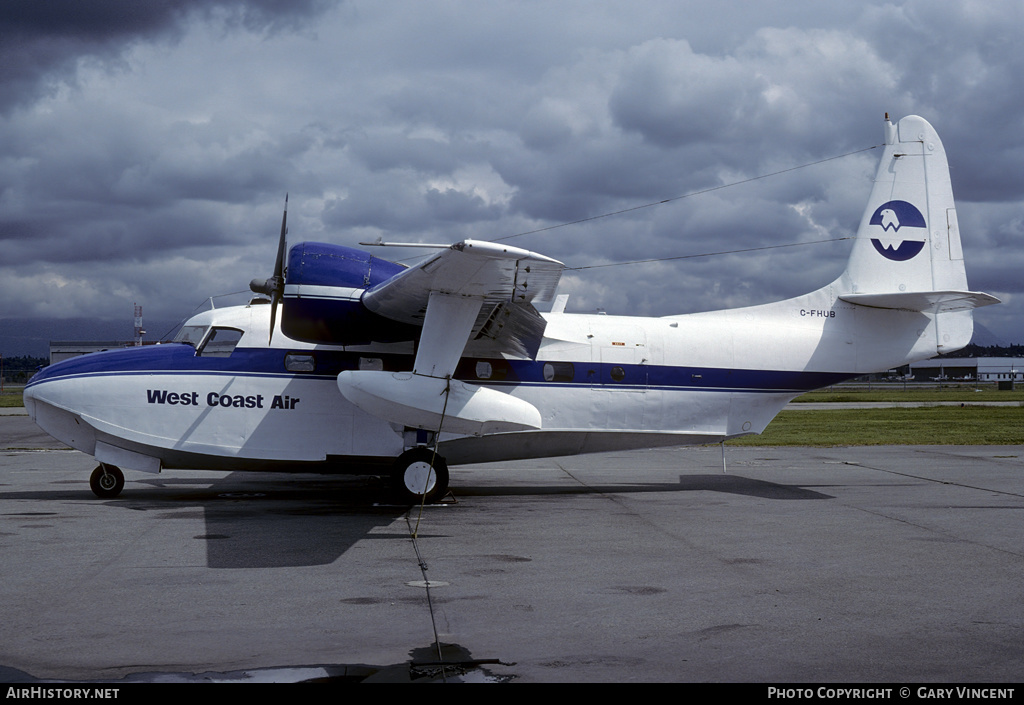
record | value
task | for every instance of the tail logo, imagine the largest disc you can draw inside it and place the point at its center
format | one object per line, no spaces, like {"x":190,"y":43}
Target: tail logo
{"x":895,"y":215}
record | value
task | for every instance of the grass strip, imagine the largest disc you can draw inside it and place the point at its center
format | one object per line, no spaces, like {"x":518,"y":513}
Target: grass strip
{"x":929,"y":425}
{"x":9,"y":401}
{"x":910,"y":395}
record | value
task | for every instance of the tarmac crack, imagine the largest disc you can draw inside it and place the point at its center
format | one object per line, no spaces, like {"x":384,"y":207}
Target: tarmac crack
{"x":939,"y":482}
{"x":933,"y":529}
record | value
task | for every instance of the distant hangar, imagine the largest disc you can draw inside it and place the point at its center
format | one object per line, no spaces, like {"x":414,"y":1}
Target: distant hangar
{"x":980,"y":369}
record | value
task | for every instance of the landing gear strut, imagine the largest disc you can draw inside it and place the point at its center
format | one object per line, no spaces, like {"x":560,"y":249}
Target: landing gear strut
{"x":414,"y":480}
{"x":106,"y":481}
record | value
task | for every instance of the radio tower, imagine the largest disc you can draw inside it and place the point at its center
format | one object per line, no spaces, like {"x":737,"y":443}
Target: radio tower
{"x":138,"y":325}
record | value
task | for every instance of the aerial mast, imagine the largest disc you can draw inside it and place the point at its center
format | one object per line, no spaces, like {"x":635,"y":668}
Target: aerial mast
{"x":139,"y":332}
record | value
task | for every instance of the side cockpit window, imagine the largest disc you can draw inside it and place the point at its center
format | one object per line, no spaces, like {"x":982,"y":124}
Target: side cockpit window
{"x":221,"y":343}
{"x":191,"y":335}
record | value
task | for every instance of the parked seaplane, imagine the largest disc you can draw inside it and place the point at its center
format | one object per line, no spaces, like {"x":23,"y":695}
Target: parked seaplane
{"x":375,"y":368}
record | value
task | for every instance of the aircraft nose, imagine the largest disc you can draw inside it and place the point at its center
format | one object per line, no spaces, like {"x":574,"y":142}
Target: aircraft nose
{"x":28,"y":397}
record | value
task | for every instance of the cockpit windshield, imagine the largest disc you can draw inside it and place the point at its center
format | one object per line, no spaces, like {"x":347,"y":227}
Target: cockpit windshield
{"x":193,"y":335}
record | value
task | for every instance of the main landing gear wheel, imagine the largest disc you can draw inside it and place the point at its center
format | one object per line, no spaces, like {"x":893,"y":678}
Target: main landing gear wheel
{"x":106,"y":481}
{"x":415,"y":481}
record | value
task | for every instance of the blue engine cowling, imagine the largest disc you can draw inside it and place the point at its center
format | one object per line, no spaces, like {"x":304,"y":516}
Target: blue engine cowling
{"x":324,"y":285}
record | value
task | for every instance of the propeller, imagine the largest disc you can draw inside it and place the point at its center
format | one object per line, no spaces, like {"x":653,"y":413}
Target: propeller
{"x":274,"y":287}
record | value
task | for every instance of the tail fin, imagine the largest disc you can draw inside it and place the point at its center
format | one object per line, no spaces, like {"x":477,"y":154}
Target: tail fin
{"x":907,"y":253}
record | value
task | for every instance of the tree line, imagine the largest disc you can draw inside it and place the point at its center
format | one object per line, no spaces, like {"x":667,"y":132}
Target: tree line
{"x":20,"y":368}
{"x":973,"y":350}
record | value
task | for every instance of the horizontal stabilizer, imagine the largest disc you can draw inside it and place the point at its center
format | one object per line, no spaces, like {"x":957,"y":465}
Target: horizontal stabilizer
{"x":924,"y":301}
{"x":417,"y":401}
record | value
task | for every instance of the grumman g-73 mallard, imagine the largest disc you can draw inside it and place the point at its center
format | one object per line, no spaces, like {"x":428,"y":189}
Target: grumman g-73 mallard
{"x":354,"y":364}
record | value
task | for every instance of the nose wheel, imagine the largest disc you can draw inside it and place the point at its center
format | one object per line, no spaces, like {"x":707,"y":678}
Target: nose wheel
{"x":106,"y":481}
{"x":415,"y":480}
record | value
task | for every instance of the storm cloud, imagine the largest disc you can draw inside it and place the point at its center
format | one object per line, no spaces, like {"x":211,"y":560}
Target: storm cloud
{"x":146,"y":147}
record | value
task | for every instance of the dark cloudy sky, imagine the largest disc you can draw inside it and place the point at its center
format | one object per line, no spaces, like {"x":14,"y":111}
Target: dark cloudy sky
{"x":146,"y":146}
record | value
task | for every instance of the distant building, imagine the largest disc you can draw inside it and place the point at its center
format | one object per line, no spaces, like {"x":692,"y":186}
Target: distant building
{"x":64,"y":349}
{"x":980,"y":369}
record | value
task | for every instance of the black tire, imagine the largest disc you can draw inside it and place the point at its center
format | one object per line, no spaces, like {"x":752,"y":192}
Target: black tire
{"x":106,"y":481}
{"x":412,"y":471}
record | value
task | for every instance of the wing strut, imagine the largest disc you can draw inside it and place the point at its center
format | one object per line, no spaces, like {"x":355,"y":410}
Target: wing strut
{"x":428,"y":397}
{"x":452,"y":287}
{"x":446,"y":329}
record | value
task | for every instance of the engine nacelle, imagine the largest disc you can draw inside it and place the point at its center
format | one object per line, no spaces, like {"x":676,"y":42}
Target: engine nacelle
{"x":324,"y":285}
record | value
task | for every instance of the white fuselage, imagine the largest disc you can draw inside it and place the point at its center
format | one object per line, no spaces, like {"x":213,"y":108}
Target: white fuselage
{"x":600,"y":383}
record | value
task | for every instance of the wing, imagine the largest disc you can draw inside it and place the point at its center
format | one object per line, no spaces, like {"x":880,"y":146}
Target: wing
{"x":485,"y":271}
{"x":472,"y":289}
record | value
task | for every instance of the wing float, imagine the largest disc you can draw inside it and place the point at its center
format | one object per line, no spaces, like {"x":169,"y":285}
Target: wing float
{"x":473,"y":290}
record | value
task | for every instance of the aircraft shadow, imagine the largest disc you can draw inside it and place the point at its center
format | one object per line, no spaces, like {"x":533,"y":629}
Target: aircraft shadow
{"x":727,"y":484}
{"x":279,"y":520}
{"x":249,"y":520}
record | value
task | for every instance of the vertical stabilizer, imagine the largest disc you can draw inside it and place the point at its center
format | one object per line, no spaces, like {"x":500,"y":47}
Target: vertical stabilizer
{"x":907,"y":253}
{"x":908,"y":239}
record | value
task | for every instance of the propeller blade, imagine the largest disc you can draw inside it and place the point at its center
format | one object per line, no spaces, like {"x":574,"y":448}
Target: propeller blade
{"x":273,"y":316}
{"x":279,"y":272}
{"x":274,"y":287}
{"x":279,"y":264}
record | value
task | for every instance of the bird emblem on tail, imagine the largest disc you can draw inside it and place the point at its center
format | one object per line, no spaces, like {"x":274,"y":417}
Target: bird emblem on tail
{"x":895,"y":215}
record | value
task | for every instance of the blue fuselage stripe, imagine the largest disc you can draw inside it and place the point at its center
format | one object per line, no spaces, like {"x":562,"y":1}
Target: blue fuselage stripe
{"x":180,"y":359}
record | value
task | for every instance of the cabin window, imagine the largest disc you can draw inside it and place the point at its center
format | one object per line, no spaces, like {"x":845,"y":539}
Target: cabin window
{"x":371,"y":363}
{"x":558,"y":372}
{"x":221,"y":343}
{"x":618,"y":374}
{"x":491,"y":369}
{"x":192,"y":335}
{"x":300,"y":362}
{"x":494,"y":369}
